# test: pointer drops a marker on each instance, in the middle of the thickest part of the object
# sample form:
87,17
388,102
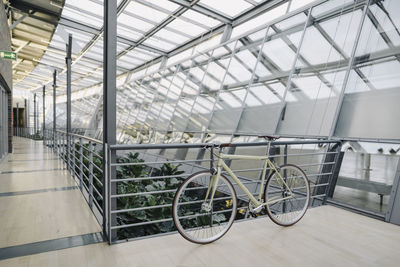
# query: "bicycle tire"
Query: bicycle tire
290,211
193,222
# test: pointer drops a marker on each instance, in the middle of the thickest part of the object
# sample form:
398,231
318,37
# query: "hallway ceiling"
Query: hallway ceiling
32,24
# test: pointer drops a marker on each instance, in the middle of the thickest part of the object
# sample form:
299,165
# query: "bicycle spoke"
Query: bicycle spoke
195,217
295,195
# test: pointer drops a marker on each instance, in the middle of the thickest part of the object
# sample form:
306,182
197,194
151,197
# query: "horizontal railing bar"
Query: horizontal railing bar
94,165
141,208
157,162
139,224
164,206
100,182
81,136
148,178
300,165
202,145
319,185
98,206
98,193
144,193
96,154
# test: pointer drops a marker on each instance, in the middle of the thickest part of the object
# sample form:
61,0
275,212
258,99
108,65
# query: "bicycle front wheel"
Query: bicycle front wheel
283,209
197,218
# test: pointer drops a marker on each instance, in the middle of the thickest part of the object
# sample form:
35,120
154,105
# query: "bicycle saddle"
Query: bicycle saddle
269,137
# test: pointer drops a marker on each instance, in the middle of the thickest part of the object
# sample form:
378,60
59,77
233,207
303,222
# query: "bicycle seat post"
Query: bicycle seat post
268,147
212,169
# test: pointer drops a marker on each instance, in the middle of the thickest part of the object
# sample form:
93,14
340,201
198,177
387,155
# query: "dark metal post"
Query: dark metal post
26,113
17,119
34,114
72,156
80,163
68,60
54,106
44,117
91,175
109,111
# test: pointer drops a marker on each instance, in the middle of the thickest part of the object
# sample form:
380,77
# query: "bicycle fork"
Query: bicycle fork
212,187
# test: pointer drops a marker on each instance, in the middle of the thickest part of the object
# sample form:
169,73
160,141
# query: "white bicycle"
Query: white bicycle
205,205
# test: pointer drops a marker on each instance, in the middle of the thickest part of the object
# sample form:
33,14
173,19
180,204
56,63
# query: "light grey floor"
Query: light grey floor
326,236
33,217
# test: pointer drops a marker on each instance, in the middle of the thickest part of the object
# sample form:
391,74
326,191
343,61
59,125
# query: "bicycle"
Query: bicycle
205,204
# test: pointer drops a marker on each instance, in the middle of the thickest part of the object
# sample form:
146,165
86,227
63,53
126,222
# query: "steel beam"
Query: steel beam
203,10
34,113
17,124
68,61
109,111
89,29
17,22
348,71
54,105
26,113
44,110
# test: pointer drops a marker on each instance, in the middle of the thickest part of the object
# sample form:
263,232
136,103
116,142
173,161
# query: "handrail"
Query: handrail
203,145
81,136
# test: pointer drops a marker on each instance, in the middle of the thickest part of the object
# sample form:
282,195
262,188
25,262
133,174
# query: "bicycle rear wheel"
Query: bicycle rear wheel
194,219
288,211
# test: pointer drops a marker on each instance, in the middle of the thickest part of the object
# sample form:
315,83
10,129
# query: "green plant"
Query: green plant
153,186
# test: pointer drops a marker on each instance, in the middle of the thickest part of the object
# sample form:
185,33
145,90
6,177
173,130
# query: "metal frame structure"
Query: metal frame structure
296,75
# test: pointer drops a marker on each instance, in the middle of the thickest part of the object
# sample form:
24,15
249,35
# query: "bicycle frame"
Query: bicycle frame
257,202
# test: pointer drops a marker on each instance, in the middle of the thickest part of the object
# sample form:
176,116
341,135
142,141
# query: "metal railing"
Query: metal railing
28,132
143,179
83,158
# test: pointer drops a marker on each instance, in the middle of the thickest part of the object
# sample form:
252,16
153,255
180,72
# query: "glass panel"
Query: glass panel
372,91
265,95
234,8
313,94
366,176
199,83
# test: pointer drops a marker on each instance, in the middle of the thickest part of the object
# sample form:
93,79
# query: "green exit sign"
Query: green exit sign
8,55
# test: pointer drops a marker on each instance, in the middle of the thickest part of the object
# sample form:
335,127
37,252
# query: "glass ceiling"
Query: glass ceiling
148,31
288,75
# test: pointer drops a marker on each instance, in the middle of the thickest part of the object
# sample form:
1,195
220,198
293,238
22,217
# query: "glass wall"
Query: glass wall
319,72
370,105
366,177
315,72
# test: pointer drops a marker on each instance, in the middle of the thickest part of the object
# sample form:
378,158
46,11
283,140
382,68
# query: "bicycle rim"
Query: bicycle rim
289,211
197,223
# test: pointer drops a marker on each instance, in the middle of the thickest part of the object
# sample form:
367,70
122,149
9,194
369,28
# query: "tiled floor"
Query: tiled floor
326,236
34,217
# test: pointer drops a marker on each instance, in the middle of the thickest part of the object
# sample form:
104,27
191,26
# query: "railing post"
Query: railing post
57,140
80,163
44,115
54,103
72,155
91,175
64,149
